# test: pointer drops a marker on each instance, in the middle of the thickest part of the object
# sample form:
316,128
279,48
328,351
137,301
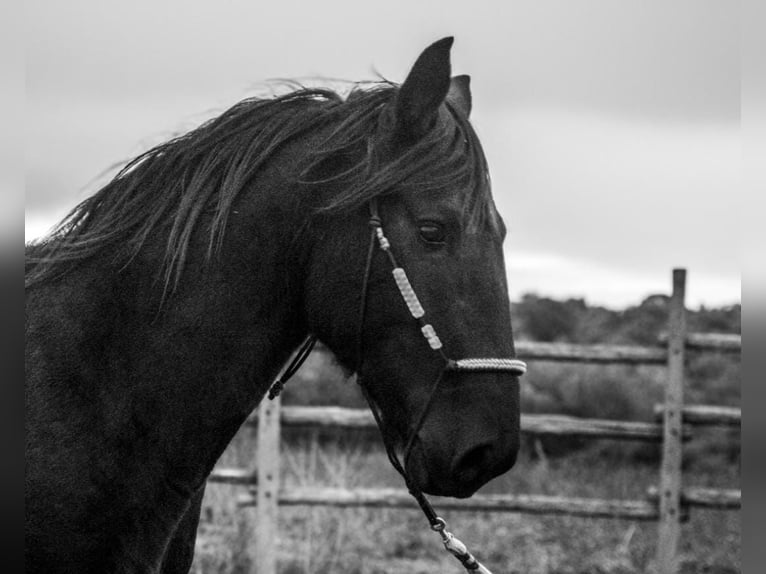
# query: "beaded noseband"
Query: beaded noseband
492,364
514,366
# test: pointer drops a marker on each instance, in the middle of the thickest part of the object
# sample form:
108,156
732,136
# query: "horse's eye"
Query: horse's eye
432,233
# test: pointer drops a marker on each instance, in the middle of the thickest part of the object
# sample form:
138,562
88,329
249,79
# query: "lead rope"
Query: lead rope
452,544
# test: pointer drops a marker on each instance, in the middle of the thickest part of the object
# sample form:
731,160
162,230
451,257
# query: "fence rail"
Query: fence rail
561,425
620,354
578,353
528,503
711,498
706,415
668,503
720,342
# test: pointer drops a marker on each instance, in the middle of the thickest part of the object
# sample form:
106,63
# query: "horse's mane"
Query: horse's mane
173,184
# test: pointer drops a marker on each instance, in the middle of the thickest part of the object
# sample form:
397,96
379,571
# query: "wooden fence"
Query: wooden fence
668,503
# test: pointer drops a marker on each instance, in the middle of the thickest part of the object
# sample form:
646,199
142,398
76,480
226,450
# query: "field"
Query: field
377,541
393,541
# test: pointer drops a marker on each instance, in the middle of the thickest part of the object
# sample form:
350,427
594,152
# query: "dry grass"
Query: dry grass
377,541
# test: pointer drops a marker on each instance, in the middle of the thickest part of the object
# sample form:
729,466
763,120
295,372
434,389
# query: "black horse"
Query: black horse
160,310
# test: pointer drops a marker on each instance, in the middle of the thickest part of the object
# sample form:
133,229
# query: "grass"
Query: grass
392,541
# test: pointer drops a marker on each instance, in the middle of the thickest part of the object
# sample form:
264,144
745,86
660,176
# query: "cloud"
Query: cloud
626,192
602,206
563,277
599,205
611,127
657,58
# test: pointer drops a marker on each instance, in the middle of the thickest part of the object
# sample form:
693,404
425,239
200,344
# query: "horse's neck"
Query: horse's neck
175,384
222,338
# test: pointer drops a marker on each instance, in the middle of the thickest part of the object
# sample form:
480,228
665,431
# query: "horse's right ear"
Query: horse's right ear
424,90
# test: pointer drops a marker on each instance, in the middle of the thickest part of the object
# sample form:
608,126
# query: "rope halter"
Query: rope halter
510,365
513,366
492,364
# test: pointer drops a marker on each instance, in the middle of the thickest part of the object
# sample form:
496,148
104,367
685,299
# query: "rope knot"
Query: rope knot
276,389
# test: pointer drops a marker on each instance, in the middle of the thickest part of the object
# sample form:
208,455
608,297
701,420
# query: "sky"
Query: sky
612,129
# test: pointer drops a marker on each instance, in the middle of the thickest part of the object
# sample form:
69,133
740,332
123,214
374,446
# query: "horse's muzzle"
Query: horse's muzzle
461,472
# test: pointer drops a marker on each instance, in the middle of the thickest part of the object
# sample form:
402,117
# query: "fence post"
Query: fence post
669,528
267,468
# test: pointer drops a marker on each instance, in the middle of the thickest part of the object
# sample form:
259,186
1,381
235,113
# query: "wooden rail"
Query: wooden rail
669,503
561,425
711,498
238,476
720,499
574,353
621,354
528,503
720,342
712,415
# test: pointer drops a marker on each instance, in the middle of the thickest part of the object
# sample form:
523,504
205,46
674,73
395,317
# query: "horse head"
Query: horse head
415,197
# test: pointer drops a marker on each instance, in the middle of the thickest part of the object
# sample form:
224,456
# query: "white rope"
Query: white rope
413,304
514,365
457,548
384,244
430,334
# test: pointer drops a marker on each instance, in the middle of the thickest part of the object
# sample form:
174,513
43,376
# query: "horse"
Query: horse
159,311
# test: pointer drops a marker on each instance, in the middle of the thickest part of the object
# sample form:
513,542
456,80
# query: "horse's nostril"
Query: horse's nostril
472,463
475,457
481,461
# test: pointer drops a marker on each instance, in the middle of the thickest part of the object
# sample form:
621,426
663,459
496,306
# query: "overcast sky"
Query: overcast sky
612,128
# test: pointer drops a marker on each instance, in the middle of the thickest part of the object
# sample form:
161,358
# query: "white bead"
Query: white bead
384,244
431,337
413,304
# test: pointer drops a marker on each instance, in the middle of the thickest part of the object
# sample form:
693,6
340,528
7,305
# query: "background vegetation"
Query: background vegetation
324,540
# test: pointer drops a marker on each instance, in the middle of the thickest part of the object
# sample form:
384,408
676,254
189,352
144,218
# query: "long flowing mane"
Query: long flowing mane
173,184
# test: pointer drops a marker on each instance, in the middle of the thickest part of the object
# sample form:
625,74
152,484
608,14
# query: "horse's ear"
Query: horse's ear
423,91
460,94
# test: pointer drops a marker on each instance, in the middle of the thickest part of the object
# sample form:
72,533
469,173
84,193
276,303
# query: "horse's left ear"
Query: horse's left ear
423,91
460,94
